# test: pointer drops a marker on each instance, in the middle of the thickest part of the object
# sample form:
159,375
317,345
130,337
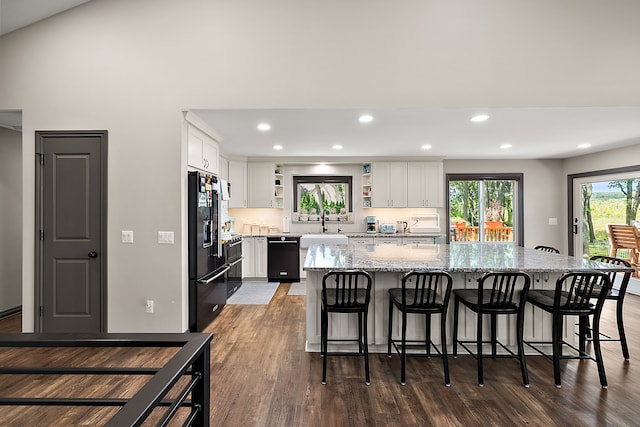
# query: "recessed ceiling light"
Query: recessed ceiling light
277,147
337,147
506,146
480,118
584,145
365,118
264,127
426,147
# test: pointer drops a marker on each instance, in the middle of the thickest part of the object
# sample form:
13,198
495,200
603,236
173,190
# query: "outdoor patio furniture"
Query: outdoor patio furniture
495,231
624,236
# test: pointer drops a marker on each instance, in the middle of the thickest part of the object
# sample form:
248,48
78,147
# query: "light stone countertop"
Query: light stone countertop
458,257
347,233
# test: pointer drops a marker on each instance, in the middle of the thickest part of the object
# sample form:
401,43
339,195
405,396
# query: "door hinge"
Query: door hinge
41,158
41,234
41,311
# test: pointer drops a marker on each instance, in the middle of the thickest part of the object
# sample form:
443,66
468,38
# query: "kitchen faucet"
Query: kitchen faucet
324,229
339,230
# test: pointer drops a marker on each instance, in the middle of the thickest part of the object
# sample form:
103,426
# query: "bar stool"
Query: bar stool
617,293
346,291
497,293
421,293
572,297
547,249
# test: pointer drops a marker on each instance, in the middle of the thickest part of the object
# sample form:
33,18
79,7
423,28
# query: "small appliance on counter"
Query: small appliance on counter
387,229
370,222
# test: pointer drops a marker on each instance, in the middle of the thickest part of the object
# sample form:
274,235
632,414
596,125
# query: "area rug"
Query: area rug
299,288
254,293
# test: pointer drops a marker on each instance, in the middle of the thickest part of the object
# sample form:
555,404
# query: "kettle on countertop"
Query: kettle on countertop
402,226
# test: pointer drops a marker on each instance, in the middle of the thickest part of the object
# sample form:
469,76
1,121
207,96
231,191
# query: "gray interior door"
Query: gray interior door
71,219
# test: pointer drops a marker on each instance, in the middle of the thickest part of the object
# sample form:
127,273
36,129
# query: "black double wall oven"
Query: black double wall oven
207,265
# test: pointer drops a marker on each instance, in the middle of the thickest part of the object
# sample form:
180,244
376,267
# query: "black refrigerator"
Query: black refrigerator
207,266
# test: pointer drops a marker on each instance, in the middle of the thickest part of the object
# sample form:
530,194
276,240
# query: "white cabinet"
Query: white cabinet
420,240
425,185
203,151
388,240
254,252
262,190
360,240
403,184
389,185
260,256
238,180
224,168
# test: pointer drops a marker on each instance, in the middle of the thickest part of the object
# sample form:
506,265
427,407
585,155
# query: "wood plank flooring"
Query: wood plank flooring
261,376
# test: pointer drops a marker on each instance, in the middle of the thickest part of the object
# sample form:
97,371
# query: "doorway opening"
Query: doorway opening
10,212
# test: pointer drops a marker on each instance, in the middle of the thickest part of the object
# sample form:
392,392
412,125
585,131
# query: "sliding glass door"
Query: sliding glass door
601,200
484,208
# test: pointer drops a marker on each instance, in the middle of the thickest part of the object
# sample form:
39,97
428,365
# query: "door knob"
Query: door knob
92,254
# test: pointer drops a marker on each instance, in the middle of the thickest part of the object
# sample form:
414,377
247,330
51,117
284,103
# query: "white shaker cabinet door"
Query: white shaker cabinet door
260,185
238,180
425,182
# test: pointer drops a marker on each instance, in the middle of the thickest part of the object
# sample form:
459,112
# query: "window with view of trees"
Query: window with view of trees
607,202
484,208
322,194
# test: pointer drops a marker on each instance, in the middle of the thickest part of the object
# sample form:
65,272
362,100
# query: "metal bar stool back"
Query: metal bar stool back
617,293
498,293
346,291
573,296
421,293
547,249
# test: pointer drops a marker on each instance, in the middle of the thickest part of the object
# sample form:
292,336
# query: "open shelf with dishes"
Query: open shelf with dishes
366,185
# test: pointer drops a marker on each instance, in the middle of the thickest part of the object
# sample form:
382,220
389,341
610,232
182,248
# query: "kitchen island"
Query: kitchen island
466,262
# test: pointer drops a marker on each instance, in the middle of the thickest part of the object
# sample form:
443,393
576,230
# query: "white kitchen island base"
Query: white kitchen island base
387,268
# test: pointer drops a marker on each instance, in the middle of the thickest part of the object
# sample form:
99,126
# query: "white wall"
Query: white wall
10,219
131,66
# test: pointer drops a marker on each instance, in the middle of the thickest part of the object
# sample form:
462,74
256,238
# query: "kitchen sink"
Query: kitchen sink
323,239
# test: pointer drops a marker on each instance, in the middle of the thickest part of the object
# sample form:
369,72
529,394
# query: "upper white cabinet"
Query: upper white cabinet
388,184
403,184
238,180
425,185
265,187
203,151
224,168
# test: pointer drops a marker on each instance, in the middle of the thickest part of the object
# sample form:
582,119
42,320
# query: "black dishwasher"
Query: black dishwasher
283,259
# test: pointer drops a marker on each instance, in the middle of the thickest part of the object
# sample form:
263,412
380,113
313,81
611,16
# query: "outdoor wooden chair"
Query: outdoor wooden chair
624,236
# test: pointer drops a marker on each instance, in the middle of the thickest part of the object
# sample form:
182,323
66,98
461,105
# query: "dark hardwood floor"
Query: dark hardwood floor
261,376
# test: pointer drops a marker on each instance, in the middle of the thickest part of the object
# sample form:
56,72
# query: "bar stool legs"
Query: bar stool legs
423,293
345,292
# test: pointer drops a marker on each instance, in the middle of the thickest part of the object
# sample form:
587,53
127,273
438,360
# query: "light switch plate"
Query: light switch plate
127,236
553,221
165,237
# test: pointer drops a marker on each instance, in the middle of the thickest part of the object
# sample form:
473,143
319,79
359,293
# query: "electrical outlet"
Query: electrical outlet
165,237
149,306
127,236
